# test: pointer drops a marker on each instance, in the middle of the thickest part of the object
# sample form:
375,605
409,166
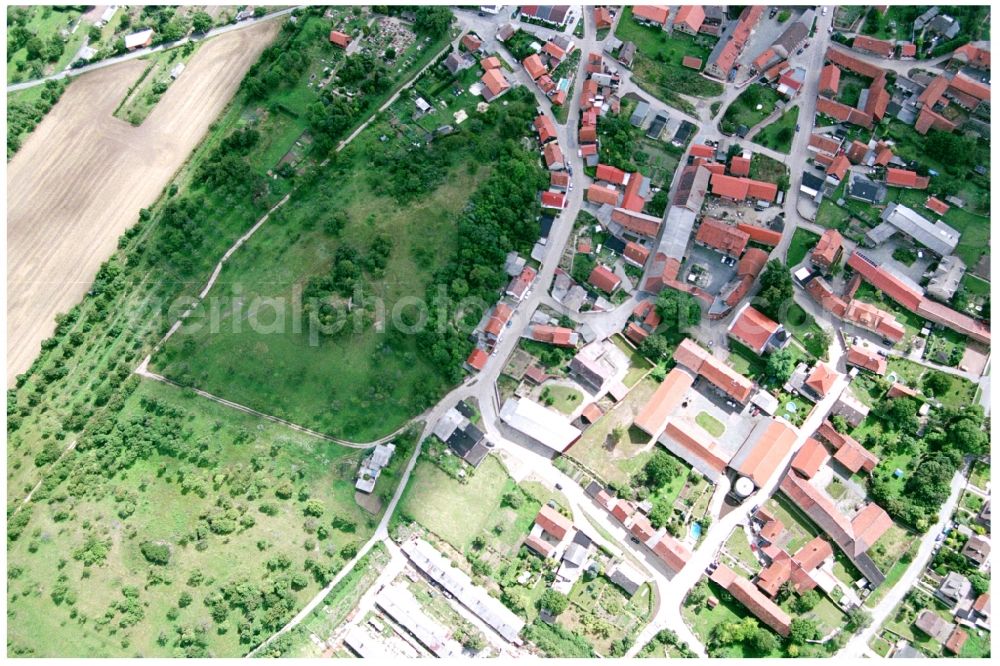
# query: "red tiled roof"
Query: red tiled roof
907,50
839,167
553,522
761,61
856,151
777,573
546,84
501,315
767,452
822,293
870,524
747,594
883,154
772,529
829,79
869,360
611,174
471,43
539,545
824,143
592,412
876,46
690,16
495,81
932,93
652,418
721,236
828,249
753,328
638,223
588,149
702,150
956,640
635,333
964,84
533,65
554,50
973,55
673,553
905,178
715,371
810,458
691,62
492,62
588,133
738,37
602,17
813,554
937,205
957,321
340,39
652,13
739,166
636,252
632,200
899,291
642,528
821,379
553,154
556,335
759,235
559,179
602,194
477,359
849,61
545,127
552,199
739,189
898,390
604,279
752,263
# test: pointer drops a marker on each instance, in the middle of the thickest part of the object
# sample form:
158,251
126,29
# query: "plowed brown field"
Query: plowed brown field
80,179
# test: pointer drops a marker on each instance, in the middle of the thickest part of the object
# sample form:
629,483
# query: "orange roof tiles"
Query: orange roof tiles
539,545
632,200
495,82
690,17
559,179
721,236
772,529
588,133
937,205
810,458
973,55
592,412
636,333
753,328
907,50
828,249
673,553
691,62
870,524
604,279
898,390
554,50
556,335
553,522
702,150
553,155
905,178
821,379
715,371
636,252
501,315
491,62
849,453
901,292
340,39
767,452
752,262
611,174
839,167
602,17
747,594
739,189
964,84
869,360
641,528
824,143
471,43
545,127
760,234
829,79
739,166
652,418
533,65
813,553
956,640
552,199
477,359
695,442
602,194
638,223
876,46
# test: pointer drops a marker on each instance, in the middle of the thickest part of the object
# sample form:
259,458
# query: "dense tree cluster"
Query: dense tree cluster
23,117
776,290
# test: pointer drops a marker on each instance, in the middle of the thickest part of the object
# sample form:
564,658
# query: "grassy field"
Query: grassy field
389,248
712,425
779,134
753,105
620,461
237,465
803,241
962,390
975,229
638,365
738,546
564,398
657,64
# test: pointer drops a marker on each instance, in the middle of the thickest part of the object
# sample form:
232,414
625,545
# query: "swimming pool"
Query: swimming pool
696,530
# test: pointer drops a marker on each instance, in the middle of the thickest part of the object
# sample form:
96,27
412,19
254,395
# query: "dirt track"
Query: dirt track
80,179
